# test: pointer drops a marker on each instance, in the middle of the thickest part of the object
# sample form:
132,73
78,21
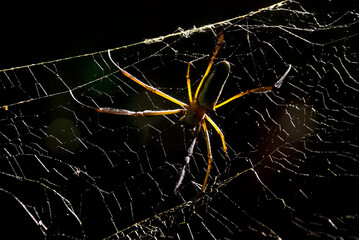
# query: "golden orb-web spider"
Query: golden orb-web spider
195,114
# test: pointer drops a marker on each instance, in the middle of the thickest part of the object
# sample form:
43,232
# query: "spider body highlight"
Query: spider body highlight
213,86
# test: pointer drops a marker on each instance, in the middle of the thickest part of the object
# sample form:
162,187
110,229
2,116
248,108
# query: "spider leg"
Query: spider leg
219,43
209,155
140,113
258,90
278,84
189,83
187,159
118,111
218,131
148,87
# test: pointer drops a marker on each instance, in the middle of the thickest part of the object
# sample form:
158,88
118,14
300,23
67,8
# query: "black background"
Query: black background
42,31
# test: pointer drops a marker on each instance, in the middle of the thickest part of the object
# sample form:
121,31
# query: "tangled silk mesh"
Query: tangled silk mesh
292,167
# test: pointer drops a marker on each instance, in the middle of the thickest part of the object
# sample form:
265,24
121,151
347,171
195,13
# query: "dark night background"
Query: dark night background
42,31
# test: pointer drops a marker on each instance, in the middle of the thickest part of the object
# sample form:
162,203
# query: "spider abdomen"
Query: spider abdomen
213,86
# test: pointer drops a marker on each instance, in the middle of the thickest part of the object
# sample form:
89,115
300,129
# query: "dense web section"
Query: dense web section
292,167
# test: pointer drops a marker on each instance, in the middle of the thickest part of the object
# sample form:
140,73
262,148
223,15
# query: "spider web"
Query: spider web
292,167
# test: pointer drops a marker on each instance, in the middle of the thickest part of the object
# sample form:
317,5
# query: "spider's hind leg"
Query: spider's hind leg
187,158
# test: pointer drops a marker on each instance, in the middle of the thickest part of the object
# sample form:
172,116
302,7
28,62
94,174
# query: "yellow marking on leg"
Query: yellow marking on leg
189,83
260,89
209,155
140,113
148,87
219,43
219,132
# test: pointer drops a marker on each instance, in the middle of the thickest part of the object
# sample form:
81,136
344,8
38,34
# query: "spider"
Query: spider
194,114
